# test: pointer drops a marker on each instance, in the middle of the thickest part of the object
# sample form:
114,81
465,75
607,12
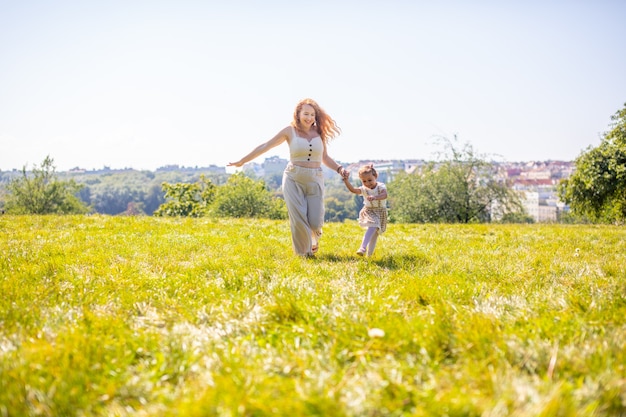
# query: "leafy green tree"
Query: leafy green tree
187,199
242,196
274,182
41,192
115,200
409,196
597,188
335,210
154,198
340,204
460,189
519,217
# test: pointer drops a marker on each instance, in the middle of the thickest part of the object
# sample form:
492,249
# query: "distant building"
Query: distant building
176,168
274,166
386,169
543,206
537,174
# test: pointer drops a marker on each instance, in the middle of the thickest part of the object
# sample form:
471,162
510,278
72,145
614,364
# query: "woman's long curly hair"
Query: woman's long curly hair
324,124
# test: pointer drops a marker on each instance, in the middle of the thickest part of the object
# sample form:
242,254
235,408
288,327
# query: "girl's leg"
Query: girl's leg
372,244
366,239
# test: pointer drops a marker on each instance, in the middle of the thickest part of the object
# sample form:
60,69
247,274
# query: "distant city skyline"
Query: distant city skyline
262,160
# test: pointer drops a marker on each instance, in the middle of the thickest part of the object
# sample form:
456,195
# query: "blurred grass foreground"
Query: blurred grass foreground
144,316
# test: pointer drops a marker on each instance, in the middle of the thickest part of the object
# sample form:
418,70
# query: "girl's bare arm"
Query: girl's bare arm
350,187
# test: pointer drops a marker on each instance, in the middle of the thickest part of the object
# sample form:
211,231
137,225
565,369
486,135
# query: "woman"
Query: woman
308,137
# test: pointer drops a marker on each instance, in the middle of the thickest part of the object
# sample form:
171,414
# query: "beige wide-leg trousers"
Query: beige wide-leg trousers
303,189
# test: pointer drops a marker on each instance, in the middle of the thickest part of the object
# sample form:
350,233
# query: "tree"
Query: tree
187,199
115,200
460,189
40,192
597,188
335,209
242,196
154,198
340,204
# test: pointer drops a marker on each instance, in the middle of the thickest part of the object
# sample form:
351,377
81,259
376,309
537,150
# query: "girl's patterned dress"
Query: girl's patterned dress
373,213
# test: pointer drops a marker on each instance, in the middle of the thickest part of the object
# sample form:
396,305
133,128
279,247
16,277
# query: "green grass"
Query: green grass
137,316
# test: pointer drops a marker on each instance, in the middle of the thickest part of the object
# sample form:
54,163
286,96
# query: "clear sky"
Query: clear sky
143,84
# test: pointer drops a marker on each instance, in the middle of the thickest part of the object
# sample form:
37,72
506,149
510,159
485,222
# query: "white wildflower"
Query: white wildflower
375,332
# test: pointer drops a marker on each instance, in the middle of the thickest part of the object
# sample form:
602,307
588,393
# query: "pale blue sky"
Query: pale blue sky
144,84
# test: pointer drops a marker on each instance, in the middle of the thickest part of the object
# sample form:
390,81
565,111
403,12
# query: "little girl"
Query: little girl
373,215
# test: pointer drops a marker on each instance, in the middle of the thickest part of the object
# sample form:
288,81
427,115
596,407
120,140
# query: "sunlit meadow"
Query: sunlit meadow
143,316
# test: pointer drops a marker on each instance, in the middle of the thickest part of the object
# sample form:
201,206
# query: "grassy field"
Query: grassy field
142,316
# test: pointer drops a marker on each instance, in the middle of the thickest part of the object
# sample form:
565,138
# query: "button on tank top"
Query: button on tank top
303,150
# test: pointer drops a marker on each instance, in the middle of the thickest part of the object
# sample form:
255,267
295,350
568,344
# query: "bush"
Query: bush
40,192
244,197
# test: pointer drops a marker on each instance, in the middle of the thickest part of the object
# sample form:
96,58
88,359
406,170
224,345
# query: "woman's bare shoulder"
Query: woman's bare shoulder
286,133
